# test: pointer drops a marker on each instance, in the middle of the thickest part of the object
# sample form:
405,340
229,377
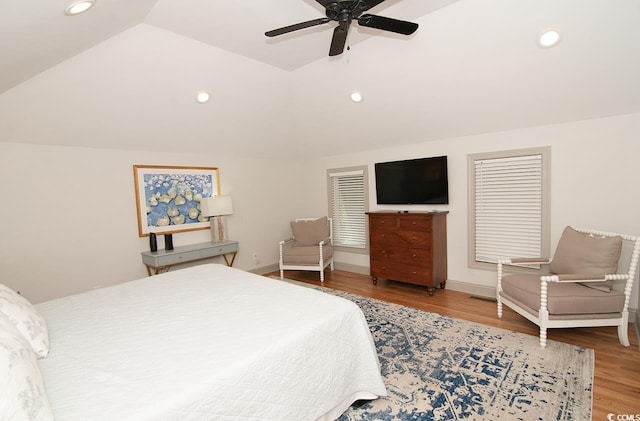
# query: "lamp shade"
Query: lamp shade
216,206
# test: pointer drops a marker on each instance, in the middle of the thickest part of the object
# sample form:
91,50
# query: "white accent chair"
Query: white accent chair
310,248
580,290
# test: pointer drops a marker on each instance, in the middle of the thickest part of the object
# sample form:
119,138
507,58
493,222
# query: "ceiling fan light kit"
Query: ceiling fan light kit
343,12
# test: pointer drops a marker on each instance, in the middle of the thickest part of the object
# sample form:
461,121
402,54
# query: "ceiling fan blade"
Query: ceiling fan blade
338,41
296,27
388,24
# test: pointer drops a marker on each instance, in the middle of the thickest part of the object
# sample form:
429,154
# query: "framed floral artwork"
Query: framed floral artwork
168,198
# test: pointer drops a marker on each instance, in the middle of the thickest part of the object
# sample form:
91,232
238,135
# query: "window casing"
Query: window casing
348,204
508,205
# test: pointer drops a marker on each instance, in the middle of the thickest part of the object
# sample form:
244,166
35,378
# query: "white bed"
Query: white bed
206,343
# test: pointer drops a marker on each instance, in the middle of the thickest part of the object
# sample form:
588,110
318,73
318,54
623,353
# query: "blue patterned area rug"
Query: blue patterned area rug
440,368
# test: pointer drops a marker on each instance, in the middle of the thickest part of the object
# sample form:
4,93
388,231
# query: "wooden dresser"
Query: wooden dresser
409,247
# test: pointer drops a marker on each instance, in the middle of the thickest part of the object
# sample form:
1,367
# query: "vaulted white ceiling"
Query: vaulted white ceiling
123,75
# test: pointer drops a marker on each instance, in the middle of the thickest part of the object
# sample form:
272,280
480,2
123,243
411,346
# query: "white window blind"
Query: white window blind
347,205
508,207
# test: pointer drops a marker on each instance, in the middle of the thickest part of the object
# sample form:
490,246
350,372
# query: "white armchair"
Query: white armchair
579,291
310,248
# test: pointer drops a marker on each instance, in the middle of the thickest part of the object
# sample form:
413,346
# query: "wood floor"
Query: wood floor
617,368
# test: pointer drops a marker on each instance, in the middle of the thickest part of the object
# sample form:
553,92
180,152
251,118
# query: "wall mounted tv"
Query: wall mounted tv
413,182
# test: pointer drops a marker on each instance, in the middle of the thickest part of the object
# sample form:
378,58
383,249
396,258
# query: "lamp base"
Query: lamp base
217,229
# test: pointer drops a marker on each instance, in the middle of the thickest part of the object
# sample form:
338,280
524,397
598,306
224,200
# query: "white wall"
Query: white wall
68,217
594,173
82,233
134,94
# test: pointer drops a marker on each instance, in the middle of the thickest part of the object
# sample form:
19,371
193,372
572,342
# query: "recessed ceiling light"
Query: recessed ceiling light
356,97
549,38
202,97
78,7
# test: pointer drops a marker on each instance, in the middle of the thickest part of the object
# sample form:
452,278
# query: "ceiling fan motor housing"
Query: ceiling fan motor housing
343,12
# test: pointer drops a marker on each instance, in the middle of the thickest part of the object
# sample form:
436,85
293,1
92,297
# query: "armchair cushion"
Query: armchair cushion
563,297
310,233
581,253
303,255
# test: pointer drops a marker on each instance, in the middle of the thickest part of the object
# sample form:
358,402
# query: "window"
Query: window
348,202
508,205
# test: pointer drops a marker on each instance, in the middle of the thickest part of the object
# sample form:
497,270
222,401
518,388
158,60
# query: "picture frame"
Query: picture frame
168,197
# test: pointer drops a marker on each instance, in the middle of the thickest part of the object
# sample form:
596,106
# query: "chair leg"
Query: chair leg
281,274
623,333
499,302
321,275
543,337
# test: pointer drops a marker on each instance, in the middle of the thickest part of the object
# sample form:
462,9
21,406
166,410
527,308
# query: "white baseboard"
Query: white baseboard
265,269
362,270
472,289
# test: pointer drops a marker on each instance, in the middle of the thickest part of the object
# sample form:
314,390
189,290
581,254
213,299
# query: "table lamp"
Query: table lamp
216,207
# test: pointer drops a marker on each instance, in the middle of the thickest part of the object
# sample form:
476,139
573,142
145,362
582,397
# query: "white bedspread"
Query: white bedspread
207,343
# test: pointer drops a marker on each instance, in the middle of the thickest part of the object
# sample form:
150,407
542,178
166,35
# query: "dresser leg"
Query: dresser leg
443,284
430,291
374,279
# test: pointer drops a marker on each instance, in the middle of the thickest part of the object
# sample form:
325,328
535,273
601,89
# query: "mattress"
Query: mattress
203,343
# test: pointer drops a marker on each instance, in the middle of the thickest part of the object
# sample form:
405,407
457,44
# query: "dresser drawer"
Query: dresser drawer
172,259
383,221
218,250
418,257
416,224
403,238
399,272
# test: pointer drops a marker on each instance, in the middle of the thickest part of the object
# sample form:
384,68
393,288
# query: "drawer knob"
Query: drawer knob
414,273
414,222
384,252
382,235
414,237
384,268
414,255
382,222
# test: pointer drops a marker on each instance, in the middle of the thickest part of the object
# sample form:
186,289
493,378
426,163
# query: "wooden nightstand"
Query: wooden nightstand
164,259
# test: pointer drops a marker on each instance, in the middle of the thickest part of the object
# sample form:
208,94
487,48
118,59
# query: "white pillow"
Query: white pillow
26,319
23,394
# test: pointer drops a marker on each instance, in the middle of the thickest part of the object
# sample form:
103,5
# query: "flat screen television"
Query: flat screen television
413,182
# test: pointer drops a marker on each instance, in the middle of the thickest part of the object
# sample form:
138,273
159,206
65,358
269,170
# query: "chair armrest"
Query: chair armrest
283,242
582,278
519,261
522,262
325,242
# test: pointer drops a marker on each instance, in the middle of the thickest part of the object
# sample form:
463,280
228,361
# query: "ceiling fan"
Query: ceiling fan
343,12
